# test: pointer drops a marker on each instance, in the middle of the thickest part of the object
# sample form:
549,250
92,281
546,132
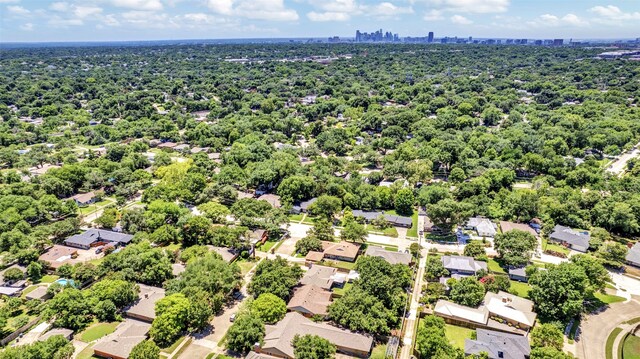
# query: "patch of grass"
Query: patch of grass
413,231
631,347
86,353
343,290
96,262
245,266
608,298
633,321
520,289
173,346
49,278
295,217
494,266
340,264
267,246
456,335
94,206
97,331
546,245
609,346
379,351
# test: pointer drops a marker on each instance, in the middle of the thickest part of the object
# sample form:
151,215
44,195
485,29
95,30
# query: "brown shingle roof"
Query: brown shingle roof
278,337
314,256
341,249
144,307
310,299
84,197
120,343
510,226
320,276
57,255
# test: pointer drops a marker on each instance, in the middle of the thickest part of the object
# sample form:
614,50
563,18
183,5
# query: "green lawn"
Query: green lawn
519,288
245,266
608,298
97,331
494,266
295,217
267,246
379,351
96,262
173,346
86,353
609,346
343,290
49,278
413,231
456,335
389,232
340,264
631,347
633,321
94,206
553,247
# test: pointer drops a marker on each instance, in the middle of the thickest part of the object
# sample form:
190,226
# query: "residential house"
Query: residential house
278,337
181,147
573,239
510,226
430,227
39,171
394,220
319,276
393,257
144,308
4,282
502,311
342,251
462,265
258,236
40,293
498,345
303,207
66,333
515,310
310,300
84,199
97,237
272,199
58,255
228,255
518,274
120,343
483,226
168,145
633,256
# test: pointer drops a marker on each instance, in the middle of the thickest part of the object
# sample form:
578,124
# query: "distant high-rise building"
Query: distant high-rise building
430,38
558,42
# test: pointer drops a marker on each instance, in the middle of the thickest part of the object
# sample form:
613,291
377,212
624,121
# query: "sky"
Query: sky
127,20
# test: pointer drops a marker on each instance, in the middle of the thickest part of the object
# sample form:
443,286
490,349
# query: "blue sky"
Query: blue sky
104,20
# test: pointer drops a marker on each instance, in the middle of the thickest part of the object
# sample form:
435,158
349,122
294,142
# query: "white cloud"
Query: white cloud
337,5
224,7
387,9
434,15
26,27
472,6
460,20
611,12
328,16
18,10
548,20
141,5
273,10
9,1
57,21
59,6
110,20
84,11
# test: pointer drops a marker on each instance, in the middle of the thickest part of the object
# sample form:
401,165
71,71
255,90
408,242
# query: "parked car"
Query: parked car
232,318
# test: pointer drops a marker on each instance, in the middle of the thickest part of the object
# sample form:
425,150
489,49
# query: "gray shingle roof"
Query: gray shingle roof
393,257
633,256
566,234
94,235
512,346
463,263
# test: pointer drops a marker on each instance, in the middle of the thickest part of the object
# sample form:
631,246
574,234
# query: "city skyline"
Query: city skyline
140,20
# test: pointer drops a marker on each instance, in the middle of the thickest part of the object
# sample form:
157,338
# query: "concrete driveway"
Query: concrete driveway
595,328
